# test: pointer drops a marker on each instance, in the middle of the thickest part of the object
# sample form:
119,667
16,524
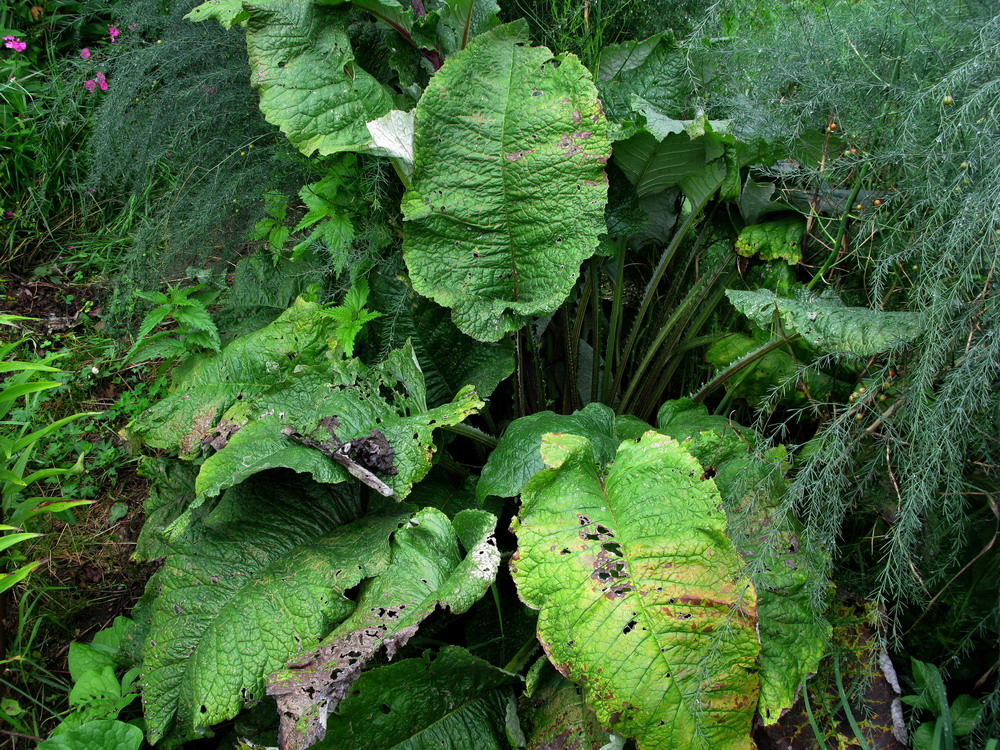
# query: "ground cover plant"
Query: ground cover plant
613,395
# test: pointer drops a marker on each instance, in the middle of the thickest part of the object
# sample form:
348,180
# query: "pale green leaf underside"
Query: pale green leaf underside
239,600
310,84
428,570
451,700
827,324
640,594
508,189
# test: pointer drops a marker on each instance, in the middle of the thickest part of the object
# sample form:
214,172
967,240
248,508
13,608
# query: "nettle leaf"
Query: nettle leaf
508,189
654,69
427,570
827,324
786,568
448,358
773,240
310,85
640,593
452,699
516,458
239,598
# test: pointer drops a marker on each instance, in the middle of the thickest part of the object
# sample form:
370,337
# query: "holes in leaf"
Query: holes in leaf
709,473
564,551
629,627
613,547
384,708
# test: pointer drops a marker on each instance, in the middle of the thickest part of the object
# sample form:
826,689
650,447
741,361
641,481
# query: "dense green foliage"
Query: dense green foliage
455,456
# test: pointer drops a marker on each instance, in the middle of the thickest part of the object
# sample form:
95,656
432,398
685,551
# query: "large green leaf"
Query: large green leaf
508,190
640,593
259,405
448,358
303,65
428,570
787,571
827,324
451,700
239,598
653,69
516,459
243,370
275,426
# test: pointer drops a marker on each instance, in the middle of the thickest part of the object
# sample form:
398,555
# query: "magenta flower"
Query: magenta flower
14,43
90,85
101,81
85,53
8,214
113,32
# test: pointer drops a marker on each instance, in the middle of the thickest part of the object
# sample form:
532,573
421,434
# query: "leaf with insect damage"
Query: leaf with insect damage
641,597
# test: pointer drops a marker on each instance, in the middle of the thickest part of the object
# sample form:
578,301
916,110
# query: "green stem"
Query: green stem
739,365
614,326
595,313
847,706
668,255
812,719
831,258
473,434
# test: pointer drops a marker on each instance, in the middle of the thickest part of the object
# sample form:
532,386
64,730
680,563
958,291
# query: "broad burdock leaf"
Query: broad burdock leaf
516,458
280,398
427,570
109,734
641,597
237,600
302,63
508,189
786,569
448,700
827,324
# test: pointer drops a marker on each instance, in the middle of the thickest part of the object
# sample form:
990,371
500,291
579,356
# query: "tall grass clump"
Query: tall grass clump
905,95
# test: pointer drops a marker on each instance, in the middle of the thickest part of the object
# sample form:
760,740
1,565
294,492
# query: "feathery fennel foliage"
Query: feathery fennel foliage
912,89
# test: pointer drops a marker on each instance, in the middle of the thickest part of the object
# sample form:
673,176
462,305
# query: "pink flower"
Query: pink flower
14,43
131,26
101,81
113,32
85,53
90,85
8,214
